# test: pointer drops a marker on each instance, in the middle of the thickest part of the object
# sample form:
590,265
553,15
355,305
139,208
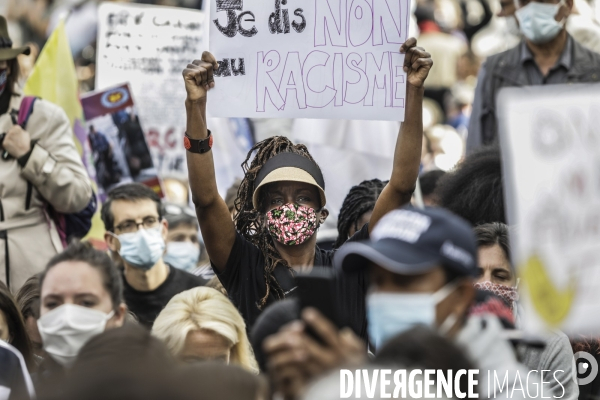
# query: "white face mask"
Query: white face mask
536,21
67,328
389,314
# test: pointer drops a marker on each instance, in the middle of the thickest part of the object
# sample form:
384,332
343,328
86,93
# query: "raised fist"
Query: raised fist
198,77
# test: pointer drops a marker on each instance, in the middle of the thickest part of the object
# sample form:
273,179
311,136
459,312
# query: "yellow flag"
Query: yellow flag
54,79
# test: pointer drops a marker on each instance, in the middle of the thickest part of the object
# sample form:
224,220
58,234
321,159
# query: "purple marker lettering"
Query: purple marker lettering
379,76
292,74
338,78
264,84
355,92
317,76
330,22
387,20
360,22
398,84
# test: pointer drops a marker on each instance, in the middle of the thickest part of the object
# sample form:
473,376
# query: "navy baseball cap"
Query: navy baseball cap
411,241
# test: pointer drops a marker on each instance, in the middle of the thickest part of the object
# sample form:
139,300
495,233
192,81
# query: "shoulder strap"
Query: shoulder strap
25,110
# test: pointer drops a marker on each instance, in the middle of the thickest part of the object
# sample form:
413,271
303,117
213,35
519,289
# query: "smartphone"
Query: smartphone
317,289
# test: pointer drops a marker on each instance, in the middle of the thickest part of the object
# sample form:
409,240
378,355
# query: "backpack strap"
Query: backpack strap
25,110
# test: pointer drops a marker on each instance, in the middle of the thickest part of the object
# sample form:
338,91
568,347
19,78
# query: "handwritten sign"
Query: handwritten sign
336,59
149,47
550,139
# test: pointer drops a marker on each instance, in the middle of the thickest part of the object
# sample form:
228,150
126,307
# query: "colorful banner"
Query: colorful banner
117,140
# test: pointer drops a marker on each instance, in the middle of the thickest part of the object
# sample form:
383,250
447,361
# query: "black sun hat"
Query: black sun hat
7,52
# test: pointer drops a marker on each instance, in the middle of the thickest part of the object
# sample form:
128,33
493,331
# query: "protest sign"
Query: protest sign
335,59
550,140
149,47
116,139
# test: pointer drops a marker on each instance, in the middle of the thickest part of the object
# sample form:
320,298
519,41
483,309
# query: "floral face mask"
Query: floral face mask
507,293
291,224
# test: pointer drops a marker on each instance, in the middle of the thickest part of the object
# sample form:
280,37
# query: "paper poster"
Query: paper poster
550,140
116,140
334,59
148,47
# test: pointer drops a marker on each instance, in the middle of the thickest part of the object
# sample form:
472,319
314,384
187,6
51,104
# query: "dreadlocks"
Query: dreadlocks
249,220
359,200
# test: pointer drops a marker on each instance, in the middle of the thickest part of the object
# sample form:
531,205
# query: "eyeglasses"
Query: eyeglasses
131,226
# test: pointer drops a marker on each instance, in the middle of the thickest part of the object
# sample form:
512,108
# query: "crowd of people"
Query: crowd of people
208,299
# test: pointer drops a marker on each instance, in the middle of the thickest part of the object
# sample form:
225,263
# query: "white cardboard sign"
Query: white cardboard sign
336,59
550,141
149,47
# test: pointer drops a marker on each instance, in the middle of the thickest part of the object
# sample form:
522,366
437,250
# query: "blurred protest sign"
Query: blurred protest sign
334,59
149,47
550,139
116,139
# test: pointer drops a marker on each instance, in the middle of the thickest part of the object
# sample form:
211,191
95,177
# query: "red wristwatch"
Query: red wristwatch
198,146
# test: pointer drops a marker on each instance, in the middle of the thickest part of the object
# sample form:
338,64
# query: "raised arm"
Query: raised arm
215,221
407,156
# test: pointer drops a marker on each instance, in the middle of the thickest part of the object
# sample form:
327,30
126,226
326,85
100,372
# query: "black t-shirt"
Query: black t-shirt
244,280
147,305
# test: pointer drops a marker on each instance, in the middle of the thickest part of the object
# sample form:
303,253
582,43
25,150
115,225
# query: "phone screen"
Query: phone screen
317,289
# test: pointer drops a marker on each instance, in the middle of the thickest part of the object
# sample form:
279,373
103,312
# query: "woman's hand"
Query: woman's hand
198,77
417,63
17,142
294,357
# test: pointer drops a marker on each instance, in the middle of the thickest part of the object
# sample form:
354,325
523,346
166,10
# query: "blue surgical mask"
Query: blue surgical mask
142,249
182,255
390,314
536,21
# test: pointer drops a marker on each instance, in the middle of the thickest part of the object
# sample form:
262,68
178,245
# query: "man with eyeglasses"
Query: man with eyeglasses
546,55
136,231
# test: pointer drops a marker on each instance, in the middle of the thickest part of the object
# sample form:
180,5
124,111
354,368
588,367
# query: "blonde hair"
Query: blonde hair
204,308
